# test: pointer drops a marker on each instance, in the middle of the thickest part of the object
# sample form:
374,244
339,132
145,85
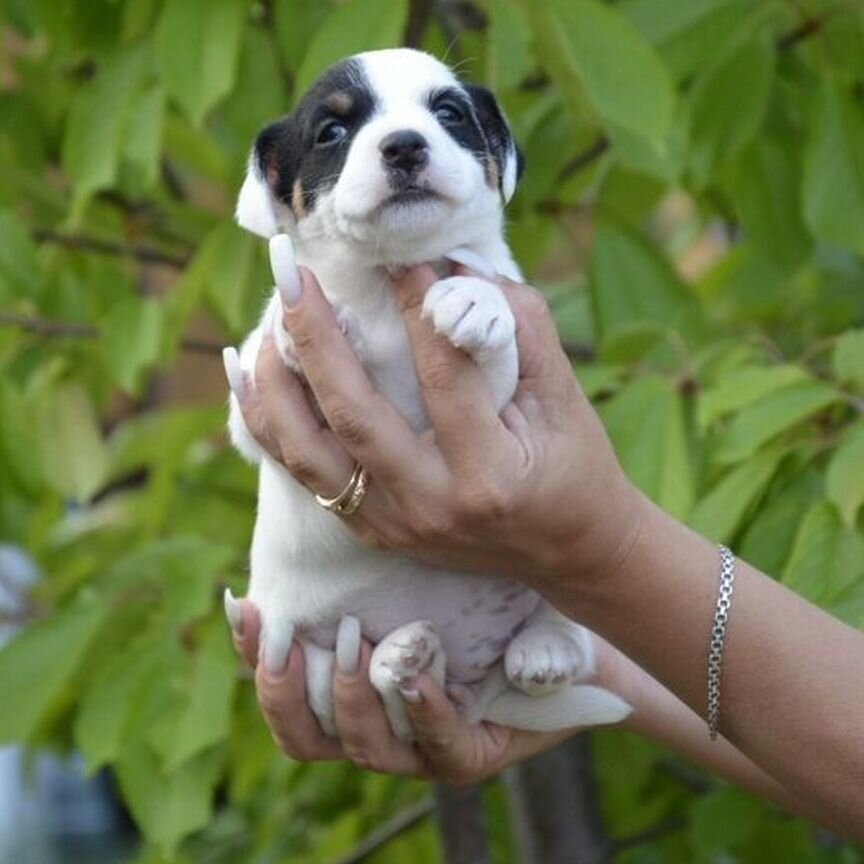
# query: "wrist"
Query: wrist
594,556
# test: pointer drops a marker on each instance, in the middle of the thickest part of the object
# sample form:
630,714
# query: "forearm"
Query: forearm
790,695
661,717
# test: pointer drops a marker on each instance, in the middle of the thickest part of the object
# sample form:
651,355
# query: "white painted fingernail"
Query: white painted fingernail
472,260
233,612
284,266
234,372
348,645
274,656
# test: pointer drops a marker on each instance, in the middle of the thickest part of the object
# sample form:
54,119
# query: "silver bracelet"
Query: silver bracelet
718,638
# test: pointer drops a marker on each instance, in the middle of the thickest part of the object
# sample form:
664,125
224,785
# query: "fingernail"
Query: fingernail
472,260
275,657
284,266
233,612
410,694
348,645
233,371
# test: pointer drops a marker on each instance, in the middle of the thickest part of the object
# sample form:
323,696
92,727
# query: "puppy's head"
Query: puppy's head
387,150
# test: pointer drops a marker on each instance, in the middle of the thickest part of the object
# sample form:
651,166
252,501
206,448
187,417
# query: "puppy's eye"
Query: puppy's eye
448,112
330,132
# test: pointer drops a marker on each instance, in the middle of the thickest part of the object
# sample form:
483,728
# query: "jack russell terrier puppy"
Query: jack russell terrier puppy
390,160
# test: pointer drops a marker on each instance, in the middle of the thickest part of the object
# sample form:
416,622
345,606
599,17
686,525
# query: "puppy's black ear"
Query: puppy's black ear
260,207
501,144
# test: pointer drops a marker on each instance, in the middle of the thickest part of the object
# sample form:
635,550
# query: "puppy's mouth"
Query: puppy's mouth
410,194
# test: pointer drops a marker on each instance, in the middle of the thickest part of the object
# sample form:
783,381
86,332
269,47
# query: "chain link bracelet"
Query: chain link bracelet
718,638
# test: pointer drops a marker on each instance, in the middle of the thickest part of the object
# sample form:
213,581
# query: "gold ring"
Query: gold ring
351,497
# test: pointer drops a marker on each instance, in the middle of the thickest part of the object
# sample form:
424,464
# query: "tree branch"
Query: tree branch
71,329
399,824
139,251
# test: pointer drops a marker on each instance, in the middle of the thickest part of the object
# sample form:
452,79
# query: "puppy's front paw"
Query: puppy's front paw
545,657
472,313
350,327
283,341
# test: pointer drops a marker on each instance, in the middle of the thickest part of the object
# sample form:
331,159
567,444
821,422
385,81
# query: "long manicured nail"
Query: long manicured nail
284,266
234,372
472,260
233,612
275,651
348,645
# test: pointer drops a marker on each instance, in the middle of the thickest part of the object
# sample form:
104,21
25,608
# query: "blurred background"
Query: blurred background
693,206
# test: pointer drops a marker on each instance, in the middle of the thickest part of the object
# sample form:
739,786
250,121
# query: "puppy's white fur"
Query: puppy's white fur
517,659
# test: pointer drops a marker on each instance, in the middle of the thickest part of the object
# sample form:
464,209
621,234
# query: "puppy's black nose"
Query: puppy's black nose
405,150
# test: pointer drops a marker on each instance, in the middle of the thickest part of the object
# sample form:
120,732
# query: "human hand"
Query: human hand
447,748
536,493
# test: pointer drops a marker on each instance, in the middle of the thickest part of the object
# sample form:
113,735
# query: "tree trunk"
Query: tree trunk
554,802
462,822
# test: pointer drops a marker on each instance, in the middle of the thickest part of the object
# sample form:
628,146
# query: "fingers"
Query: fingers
362,725
454,389
308,450
453,750
363,421
245,627
547,386
282,697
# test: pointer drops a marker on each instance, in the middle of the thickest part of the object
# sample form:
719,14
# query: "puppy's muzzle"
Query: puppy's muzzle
405,153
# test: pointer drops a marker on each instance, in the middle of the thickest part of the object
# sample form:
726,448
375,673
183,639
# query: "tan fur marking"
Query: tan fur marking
340,102
492,177
298,205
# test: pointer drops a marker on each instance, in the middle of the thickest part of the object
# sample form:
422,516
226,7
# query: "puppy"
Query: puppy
390,160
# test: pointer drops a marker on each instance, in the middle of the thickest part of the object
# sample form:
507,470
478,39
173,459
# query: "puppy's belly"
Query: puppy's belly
309,569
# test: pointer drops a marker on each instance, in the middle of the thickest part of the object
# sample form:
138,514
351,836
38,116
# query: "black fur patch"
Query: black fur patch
498,137
286,150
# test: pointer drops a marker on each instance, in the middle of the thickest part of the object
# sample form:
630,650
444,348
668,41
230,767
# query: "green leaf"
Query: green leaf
834,169
721,821
131,336
848,359
508,55
204,718
776,413
358,25
771,532
142,141
631,283
827,556
742,386
198,45
19,263
74,454
97,120
16,438
646,424
720,513
687,35
37,666
112,700
844,479
229,277
168,806
766,188
296,25
727,105
583,44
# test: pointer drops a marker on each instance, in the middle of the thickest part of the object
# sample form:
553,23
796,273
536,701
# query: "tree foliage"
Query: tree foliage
694,209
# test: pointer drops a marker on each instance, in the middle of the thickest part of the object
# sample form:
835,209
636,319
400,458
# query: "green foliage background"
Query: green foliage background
734,390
